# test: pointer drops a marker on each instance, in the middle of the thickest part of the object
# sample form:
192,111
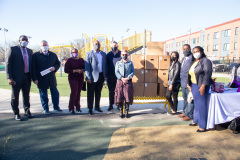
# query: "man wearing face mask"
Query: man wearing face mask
42,60
186,63
95,70
18,70
112,58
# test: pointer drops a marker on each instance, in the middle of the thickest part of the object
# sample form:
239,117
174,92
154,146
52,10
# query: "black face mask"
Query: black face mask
187,53
124,57
114,49
173,58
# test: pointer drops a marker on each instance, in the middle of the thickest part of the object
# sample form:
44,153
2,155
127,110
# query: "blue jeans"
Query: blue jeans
44,98
201,107
188,108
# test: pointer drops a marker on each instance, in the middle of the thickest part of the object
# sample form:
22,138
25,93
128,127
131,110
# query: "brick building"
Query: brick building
220,42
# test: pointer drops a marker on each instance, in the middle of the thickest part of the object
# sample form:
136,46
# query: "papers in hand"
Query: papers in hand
46,71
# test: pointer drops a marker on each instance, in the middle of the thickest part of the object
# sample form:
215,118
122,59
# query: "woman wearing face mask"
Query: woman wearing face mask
124,71
74,66
199,81
173,82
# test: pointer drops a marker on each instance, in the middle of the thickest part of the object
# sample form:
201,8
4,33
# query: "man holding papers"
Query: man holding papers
45,65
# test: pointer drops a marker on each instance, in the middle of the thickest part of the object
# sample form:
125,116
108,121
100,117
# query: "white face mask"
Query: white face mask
24,43
197,55
44,48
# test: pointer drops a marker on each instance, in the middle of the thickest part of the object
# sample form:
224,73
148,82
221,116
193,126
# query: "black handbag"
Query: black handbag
235,125
84,87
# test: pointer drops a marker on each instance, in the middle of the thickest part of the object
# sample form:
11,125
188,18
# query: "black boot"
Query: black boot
126,115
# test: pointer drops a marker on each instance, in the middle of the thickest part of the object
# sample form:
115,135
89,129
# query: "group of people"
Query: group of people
194,76
22,67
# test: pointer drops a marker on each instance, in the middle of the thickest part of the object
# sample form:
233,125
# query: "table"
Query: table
223,107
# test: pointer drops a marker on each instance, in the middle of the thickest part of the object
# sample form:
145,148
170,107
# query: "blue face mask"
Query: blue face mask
24,44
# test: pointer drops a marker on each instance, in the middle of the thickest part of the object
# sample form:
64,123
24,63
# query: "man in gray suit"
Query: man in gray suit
188,108
95,70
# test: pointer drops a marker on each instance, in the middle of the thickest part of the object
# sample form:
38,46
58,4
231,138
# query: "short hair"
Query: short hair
22,36
74,49
124,50
187,45
44,41
114,42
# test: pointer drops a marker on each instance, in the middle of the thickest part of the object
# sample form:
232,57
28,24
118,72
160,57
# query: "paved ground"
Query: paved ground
81,136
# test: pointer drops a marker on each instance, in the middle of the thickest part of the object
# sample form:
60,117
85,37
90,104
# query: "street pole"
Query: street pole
144,43
189,36
5,30
60,54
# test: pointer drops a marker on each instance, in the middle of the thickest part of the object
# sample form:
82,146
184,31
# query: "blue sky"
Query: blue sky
60,21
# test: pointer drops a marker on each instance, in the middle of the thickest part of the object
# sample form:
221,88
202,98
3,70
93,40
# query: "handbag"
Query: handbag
190,97
235,125
84,87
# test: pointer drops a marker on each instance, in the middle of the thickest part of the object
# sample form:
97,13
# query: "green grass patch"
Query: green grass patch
64,88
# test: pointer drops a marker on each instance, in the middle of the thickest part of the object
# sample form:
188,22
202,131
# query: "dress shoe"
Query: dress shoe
72,112
181,115
28,114
79,110
121,114
118,108
90,112
110,108
186,118
201,130
172,113
18,117
98,109
193,124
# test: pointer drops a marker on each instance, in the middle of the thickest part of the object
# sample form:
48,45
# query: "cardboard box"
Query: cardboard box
138,61
164,62
162,75
161,90
155,48
151,62
138,89
151,76
138,76
150,89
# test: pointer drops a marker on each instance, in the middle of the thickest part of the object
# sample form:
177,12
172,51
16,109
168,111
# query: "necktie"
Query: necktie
25,58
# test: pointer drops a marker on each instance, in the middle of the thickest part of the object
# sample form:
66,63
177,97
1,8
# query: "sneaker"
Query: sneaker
58,110
47,112
78,110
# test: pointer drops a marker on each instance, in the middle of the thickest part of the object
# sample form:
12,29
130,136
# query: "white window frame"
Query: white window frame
216,35
226,46
227,33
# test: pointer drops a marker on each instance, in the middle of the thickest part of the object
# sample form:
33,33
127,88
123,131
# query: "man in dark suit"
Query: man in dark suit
112,58
42,60
18,62
95,70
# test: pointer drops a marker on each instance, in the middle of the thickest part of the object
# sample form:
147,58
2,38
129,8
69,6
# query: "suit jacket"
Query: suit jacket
184,71
91,66
203,72
174,73
15,63
42,62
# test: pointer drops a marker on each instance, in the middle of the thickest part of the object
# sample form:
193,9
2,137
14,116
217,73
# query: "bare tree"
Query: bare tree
78,43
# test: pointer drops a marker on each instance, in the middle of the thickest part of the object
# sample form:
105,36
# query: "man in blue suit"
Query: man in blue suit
95,70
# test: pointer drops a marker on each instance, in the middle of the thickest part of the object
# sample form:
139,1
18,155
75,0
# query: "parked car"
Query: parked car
218,66
230,67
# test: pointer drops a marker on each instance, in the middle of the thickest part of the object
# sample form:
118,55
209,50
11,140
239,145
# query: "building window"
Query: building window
177,44
215,35
207,48
167,45
235,46
215,47
236,31
226,46
198,40
208,36
183,42
172,45
203,37
194,41
227,33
